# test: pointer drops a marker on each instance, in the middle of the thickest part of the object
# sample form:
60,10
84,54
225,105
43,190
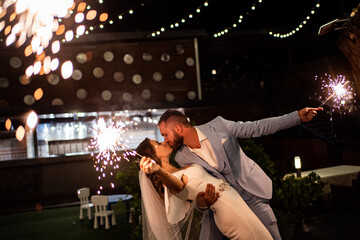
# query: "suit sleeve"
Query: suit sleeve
261,127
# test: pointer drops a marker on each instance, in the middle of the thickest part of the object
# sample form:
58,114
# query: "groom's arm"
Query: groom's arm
261,127
268,126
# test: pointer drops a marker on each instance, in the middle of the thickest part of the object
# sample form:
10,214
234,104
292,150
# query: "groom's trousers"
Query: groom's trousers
264,212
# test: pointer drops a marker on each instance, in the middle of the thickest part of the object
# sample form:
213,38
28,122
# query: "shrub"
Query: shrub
292,197
128,179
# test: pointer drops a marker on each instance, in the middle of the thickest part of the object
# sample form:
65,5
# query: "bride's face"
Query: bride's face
162,149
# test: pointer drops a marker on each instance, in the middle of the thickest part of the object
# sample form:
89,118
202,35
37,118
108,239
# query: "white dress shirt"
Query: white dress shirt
205,152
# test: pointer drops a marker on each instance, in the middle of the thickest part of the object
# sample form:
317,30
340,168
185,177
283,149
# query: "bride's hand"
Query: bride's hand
148,165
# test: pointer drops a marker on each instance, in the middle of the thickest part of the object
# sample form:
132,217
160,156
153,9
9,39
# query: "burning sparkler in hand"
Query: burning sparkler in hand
108,141
338,90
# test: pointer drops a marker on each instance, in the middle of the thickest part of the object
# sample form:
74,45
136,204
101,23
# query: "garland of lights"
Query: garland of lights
182,21
235,24
120,17
30,17
300,26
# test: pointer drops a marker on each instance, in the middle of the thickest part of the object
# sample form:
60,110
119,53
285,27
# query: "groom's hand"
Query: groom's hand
307,114
207,198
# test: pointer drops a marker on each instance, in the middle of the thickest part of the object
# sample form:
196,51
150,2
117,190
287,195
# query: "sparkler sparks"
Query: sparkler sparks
338,93
109,140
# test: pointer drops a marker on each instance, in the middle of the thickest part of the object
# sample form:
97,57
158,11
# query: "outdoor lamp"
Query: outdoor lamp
298,166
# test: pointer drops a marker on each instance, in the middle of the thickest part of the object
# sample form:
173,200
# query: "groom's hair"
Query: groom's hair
175,116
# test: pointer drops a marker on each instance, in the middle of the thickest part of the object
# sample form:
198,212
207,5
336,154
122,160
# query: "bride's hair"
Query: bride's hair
155,224
146,149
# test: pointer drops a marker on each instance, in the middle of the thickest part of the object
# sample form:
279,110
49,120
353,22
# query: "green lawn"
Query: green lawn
60,223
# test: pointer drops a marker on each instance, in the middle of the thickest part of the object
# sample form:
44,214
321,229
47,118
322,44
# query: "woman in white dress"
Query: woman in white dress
232,215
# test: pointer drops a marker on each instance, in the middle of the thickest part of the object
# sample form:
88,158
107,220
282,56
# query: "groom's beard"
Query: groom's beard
178,142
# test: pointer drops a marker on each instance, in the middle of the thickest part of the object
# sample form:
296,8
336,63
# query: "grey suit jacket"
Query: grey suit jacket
233,165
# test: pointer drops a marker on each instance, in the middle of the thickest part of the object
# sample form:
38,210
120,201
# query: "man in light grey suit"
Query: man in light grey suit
214,146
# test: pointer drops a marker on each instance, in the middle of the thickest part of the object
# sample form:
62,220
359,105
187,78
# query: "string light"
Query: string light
299,27
182,20
119,16
236,24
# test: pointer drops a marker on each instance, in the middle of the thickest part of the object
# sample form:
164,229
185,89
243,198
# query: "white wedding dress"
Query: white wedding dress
232,215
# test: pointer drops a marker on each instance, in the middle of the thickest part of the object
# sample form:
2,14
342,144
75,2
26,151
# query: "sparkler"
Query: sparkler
339,90
108,141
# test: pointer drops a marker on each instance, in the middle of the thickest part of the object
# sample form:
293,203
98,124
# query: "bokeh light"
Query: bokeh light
55,47
54,64
91,15
38,94
20,133
8,124
67,69
32,120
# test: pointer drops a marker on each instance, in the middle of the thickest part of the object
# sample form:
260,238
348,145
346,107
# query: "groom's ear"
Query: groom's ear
178,128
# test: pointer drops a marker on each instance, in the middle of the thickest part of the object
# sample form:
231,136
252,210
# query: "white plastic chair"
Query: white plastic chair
84,194
100,203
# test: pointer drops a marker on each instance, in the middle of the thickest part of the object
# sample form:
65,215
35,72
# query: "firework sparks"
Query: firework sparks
338,92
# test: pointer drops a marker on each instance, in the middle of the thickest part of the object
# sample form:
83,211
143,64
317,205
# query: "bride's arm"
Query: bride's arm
170,181
174,184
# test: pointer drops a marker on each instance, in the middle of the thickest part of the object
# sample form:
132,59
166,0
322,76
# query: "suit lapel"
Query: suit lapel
216,144
188,158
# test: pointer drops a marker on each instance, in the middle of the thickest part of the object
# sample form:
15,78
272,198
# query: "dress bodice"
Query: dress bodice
232,215
177,206
198,178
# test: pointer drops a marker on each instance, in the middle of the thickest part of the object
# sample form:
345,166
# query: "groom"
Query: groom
214,146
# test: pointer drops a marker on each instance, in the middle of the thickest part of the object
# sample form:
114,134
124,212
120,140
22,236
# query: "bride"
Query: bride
169,207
